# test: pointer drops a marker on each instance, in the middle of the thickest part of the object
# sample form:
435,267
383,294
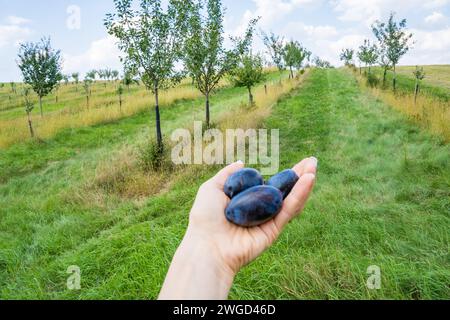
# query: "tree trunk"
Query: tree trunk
158,120
207,111
416,92
40,106
120,103
87,101
30,125
265,88
384,76
394,81
250,96
292,73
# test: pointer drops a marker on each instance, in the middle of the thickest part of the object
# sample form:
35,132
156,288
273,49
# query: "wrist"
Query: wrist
197,272
206,256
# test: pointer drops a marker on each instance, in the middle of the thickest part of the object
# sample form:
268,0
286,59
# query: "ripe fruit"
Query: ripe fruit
255,206
242,180
284,181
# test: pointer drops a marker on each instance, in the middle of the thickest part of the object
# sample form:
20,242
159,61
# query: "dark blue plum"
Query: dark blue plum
242,180
255,206
284,181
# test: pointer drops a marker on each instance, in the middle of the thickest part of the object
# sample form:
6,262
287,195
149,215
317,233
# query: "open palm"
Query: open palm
236,246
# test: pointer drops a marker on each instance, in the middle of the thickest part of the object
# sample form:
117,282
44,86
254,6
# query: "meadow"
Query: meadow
82,194
429,109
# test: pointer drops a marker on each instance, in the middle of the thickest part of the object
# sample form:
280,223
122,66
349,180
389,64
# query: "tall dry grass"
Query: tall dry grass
101,110
251,117
428,111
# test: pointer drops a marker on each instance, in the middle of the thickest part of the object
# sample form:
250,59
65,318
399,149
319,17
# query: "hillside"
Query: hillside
382,198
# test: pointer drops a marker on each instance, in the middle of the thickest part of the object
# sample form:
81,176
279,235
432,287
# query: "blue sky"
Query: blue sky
325,27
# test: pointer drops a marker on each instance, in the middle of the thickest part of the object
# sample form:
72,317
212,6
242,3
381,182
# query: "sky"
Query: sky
325,27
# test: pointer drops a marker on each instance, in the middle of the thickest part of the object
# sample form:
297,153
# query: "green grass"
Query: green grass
435,75
435,84
382,198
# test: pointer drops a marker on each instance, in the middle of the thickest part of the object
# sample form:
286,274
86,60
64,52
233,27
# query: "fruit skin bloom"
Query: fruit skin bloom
242,180
284,181
255,206
214,250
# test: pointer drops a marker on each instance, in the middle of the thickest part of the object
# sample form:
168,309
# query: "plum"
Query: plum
241,181
284,181
255,206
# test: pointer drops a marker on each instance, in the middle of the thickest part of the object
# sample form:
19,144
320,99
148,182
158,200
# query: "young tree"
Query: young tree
41,67
102,75
419,75
128,79
90,78
384,62
301,55
92,75
29,106
396,41
322,64
275,48
87,89
368,54
291,55
248,73
58,85
347,56
108,74
360,56
76,79
13,87
120,93
205,56
66,79
115,75
151,39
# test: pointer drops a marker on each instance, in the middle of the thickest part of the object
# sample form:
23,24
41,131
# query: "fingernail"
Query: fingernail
312,175
315,159
239,162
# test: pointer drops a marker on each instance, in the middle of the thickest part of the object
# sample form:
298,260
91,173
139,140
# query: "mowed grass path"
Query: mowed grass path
382,198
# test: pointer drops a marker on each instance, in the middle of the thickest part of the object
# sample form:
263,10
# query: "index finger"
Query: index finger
299,195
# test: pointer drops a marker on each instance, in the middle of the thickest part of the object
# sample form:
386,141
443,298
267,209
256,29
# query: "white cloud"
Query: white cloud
274,10
330,49
356,10
270,11
367,12
431,47
14,31
320,32
435,17
14,20
431,4
102,53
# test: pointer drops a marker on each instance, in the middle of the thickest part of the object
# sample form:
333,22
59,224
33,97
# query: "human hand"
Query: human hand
217,248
